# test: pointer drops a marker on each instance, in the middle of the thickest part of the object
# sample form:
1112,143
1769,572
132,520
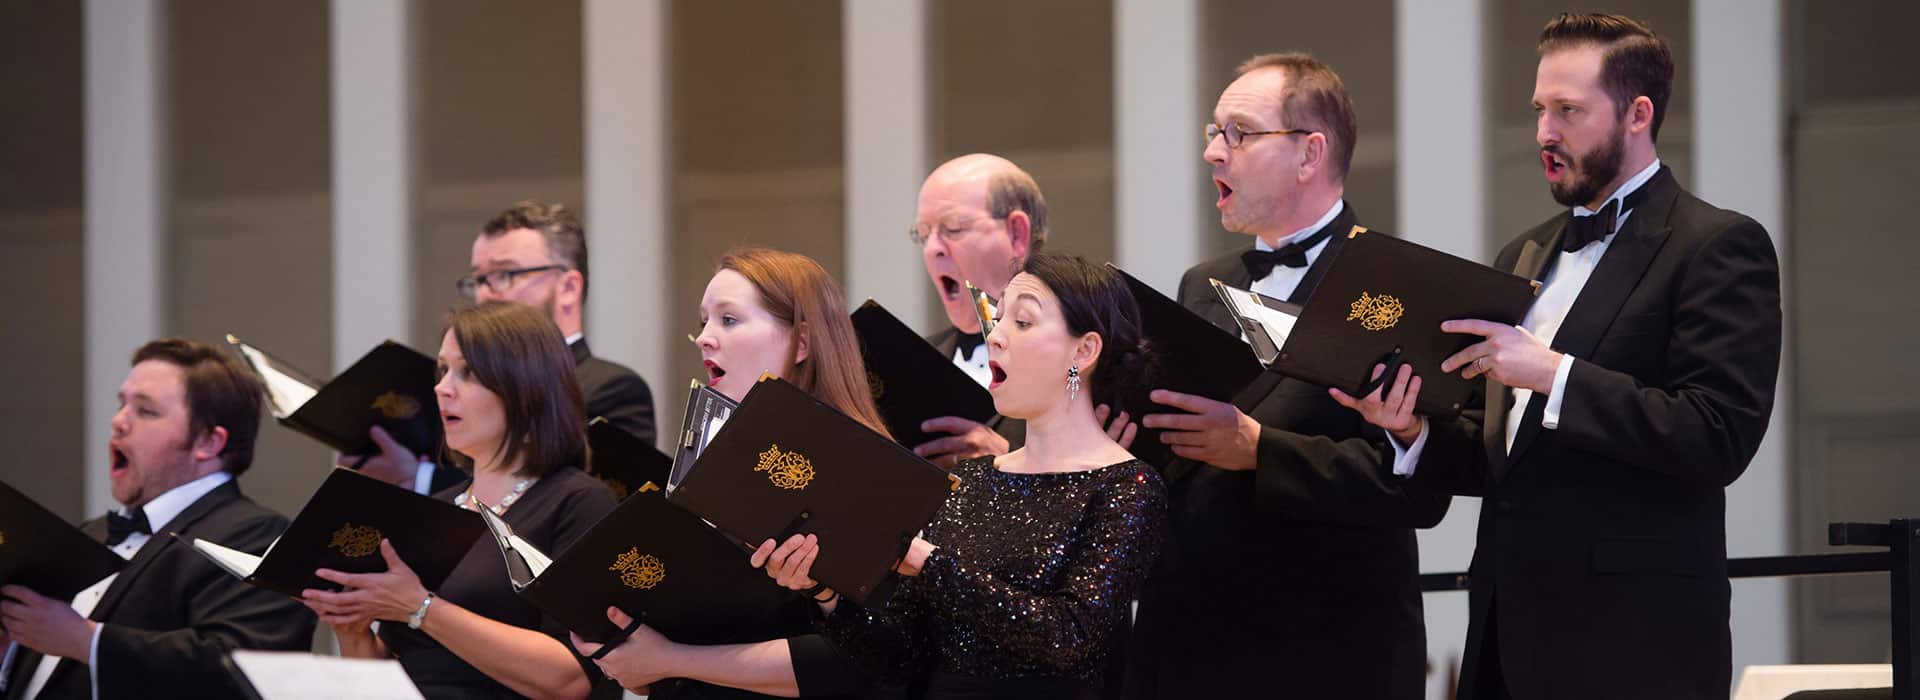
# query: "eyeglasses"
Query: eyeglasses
950,235
1236,136
497,281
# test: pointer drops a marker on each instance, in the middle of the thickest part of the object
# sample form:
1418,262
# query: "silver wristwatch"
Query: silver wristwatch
419,614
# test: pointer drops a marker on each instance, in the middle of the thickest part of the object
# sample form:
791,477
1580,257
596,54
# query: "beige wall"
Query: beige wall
40,254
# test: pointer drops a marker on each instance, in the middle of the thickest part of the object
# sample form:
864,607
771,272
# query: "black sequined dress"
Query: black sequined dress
1027,591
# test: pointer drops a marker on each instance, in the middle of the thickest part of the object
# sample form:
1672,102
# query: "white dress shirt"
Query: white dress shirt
160,512
1557,295
974,363
1283,281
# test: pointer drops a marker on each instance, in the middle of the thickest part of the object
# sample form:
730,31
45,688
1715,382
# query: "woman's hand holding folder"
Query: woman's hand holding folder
390,595
638,662
790,564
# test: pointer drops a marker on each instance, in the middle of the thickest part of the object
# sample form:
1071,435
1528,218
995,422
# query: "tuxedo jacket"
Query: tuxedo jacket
171,615
1600,562
1013,429
614,392
1298,578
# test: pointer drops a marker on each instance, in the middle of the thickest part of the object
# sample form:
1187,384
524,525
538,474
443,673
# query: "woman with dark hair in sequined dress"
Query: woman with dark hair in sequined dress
1021,583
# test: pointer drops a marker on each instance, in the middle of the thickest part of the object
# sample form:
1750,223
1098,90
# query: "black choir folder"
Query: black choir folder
654,561
624,462
786,464
340,528
911,381
43,552
1382,302
391,386
1195,357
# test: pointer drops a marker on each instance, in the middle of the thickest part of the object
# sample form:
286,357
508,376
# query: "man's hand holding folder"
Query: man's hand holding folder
1509,354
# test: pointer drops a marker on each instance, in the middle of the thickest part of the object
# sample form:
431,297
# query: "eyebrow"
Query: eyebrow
1030,296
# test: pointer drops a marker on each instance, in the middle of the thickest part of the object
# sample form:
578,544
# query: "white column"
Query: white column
886,151
1441,129
126,203
1740,164
373,174
1158,113
1440,134
627,200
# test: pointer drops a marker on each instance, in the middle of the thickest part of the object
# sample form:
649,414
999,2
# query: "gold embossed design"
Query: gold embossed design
787,470
649,487
396,407
619,489
639,571
875,386
3,538
1376,312
355,540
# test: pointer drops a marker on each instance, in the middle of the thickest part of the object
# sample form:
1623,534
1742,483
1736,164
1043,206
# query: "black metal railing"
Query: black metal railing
1901,561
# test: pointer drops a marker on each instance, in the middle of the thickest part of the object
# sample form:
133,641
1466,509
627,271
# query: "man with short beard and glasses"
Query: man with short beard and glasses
534,253
159,628
1634,391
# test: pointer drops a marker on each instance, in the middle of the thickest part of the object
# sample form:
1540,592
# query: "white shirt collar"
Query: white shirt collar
167,506
1327,218
575,338
1626,188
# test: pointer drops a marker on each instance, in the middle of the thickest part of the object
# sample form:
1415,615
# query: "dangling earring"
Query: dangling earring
1073,382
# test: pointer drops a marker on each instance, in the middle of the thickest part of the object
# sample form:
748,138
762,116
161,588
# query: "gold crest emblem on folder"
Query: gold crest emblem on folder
787,470
3,538
618,488
875,386
639,571
1376,312
396,407
355,540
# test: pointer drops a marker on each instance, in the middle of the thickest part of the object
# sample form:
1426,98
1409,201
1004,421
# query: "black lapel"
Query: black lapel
946,341
1619,271
580,351
1342,228
160,541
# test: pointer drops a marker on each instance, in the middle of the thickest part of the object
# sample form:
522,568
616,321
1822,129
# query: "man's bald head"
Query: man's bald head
1009,189
978,218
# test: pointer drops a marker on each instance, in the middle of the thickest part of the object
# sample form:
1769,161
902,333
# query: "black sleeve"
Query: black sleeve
1348,480
224,614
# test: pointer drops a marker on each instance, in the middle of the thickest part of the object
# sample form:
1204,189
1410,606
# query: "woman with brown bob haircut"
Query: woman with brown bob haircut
512,415
779,312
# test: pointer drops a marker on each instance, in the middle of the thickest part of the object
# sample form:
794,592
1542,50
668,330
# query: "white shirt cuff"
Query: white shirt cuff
423,478
1550,418
93,669
1406,457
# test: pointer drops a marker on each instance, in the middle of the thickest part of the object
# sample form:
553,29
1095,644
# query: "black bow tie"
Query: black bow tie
1260,263
1585,230
966,342
120,527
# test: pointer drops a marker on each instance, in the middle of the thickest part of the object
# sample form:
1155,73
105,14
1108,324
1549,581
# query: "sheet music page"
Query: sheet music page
234,561
1277,323
285,393
298,676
